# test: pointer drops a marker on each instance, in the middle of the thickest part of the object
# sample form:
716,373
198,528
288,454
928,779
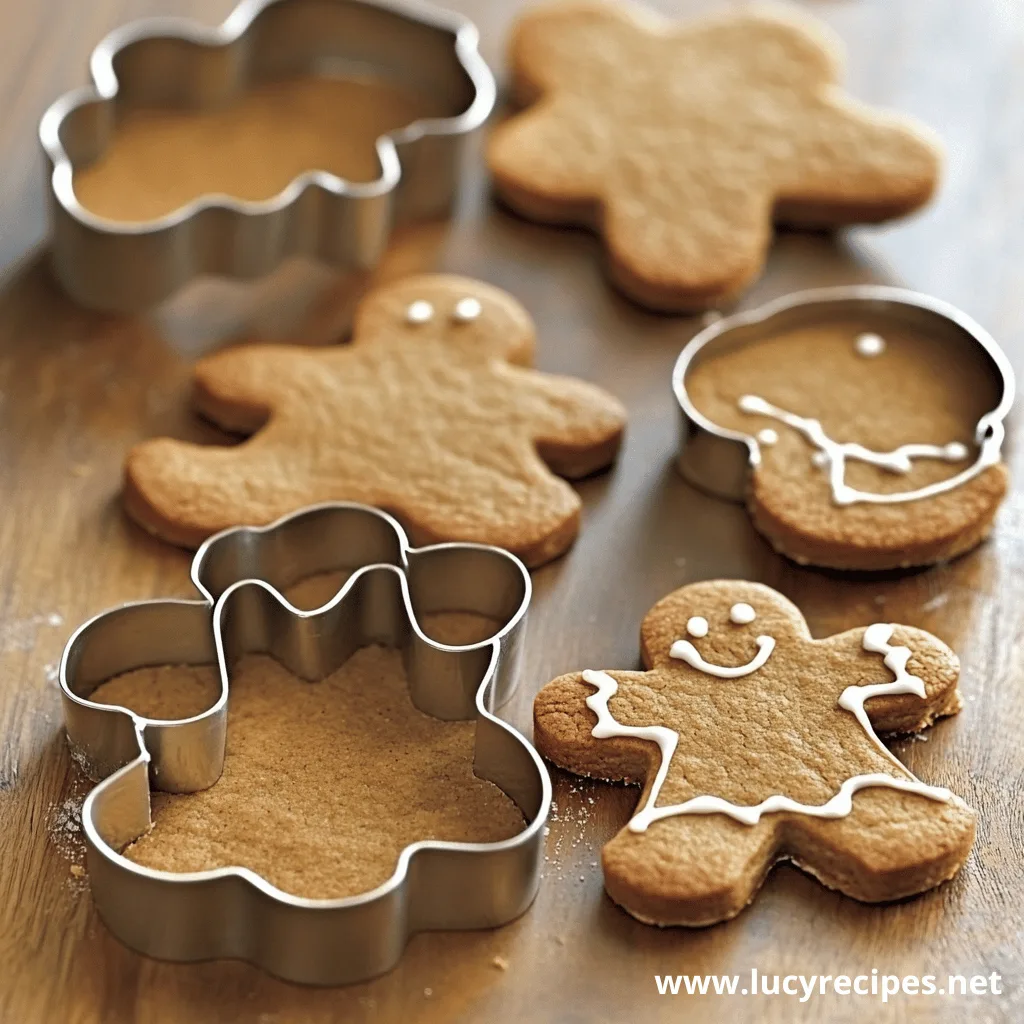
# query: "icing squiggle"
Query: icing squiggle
833,455
683,650
876,640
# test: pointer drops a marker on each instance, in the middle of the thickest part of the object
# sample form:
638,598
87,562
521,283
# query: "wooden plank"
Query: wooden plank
78,388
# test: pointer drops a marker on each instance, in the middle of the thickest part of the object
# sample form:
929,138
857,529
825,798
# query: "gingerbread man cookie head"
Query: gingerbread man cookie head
725,628
457,310
681,144
756,743
865,424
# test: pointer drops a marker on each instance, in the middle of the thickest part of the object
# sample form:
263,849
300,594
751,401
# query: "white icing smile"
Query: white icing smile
876,640
741,614
832,456
683,650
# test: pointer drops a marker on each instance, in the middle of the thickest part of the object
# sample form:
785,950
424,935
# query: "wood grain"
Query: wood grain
79,388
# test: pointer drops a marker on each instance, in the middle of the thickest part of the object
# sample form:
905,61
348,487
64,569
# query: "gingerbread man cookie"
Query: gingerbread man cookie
430,413
681,145
756,743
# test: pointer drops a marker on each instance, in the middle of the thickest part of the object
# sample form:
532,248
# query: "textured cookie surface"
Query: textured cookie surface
430,413
908,389
776,729
324,783
682,144
160,159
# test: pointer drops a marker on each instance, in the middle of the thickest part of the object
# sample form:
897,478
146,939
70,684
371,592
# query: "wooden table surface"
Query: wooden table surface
77,388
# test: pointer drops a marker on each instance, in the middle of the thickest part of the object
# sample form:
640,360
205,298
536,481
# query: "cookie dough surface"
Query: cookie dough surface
159,160
917,390
324,783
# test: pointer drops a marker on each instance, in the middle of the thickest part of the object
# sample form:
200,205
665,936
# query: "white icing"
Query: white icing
876,640
683,650
742,614
768,437
697,626
466,310
419,312
832,456
869,345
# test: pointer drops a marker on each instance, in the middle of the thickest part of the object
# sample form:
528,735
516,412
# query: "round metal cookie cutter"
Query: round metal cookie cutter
128,266
720,461
233,912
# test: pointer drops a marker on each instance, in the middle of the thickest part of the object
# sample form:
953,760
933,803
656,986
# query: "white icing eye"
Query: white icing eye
419,312
742,614
697,626
466,310
869,345
768,436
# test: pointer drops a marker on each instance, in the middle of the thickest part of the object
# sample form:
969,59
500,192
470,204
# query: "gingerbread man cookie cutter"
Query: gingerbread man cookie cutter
721,461
128,266
232,912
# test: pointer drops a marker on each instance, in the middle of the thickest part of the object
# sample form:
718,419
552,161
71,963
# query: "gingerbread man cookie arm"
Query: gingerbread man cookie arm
531,174
563,731
576,427
237,388
909,677
886,166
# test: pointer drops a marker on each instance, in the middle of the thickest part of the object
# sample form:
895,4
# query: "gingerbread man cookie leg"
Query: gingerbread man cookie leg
430,413
890,845
711,866
757,743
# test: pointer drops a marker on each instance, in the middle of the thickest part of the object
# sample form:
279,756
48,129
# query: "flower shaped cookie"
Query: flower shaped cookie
756,743
681,145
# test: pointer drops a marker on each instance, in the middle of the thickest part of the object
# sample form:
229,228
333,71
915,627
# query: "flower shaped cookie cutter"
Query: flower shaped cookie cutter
129,266
232,912
719,460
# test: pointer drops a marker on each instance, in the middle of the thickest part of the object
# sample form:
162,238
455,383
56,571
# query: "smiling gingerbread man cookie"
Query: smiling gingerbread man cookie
756,744
682,144
430,413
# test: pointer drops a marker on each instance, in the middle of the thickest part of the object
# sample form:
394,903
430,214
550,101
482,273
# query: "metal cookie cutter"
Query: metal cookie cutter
172,62
720,461
233,912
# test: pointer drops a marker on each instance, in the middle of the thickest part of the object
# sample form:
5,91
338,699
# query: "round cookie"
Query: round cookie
755,744
866,435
